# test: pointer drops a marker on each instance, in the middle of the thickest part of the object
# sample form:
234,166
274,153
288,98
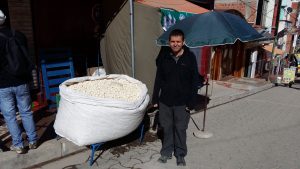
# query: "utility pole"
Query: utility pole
279,35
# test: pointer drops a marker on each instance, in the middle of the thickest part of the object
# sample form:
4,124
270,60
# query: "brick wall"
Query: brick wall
21,19
240,6
293,19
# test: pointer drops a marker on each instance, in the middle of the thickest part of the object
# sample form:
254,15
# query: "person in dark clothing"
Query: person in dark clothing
15,94
174,93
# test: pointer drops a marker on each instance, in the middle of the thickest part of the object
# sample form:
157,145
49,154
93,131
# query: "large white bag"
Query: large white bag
86,120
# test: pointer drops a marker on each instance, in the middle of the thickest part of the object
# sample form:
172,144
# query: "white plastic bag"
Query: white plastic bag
100,71
86,120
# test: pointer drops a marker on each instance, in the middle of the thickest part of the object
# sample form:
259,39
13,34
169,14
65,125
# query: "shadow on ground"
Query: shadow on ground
122,145
44,121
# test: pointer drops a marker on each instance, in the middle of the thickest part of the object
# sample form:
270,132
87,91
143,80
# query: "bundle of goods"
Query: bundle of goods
100,108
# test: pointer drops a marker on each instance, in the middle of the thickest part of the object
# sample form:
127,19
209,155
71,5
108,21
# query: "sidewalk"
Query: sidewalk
220,92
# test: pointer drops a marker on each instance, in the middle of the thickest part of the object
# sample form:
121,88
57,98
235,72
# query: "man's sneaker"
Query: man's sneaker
19,150
180,161
163,159
32,145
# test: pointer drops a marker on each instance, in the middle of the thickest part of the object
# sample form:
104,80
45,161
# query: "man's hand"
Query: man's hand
155,105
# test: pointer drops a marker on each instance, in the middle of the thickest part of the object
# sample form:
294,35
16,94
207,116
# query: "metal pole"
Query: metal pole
132,37
205,105
271,71
206,87
202,133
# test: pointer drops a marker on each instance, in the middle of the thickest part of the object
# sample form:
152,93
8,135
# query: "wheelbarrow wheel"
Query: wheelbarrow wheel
290,84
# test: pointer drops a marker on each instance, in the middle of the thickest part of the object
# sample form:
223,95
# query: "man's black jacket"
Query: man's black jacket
6,78
176,83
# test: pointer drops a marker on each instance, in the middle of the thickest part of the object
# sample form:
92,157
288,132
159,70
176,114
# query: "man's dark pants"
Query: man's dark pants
174,122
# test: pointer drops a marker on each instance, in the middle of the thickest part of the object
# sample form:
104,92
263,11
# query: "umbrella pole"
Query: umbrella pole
205,105
202,133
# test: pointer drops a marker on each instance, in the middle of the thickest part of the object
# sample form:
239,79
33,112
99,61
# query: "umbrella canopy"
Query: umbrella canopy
212,29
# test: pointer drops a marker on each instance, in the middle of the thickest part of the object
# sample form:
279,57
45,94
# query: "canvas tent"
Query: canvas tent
115,45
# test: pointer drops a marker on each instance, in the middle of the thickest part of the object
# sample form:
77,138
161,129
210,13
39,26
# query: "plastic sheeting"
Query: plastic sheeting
86,120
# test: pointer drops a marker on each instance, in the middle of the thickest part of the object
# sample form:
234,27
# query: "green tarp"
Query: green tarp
170,17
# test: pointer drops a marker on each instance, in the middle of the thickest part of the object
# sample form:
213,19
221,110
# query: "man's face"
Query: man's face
176,43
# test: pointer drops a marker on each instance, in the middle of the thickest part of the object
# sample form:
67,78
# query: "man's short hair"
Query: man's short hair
176,32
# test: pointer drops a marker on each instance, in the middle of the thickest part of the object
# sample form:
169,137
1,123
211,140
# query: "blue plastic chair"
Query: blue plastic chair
56,67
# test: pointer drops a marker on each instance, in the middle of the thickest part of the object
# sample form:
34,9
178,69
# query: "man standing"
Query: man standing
14,91
174,93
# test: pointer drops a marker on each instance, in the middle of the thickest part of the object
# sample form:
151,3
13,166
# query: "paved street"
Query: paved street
257,132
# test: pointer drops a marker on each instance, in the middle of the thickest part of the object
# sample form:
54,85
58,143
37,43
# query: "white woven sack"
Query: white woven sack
86,120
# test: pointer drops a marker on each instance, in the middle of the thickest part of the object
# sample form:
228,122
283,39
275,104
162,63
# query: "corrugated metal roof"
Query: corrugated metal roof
178,5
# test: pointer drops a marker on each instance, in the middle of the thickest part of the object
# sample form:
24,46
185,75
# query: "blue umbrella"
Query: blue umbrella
212,29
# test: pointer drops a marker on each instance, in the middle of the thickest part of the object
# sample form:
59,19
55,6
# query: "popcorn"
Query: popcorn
119,89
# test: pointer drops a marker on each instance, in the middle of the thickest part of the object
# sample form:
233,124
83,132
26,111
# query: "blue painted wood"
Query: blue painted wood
58,72
52,98
57,81
45,79
54,90
71,67
57,67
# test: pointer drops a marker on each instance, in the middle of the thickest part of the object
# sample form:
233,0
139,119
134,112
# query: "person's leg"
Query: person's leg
181,120
24,106
8,108
166,122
